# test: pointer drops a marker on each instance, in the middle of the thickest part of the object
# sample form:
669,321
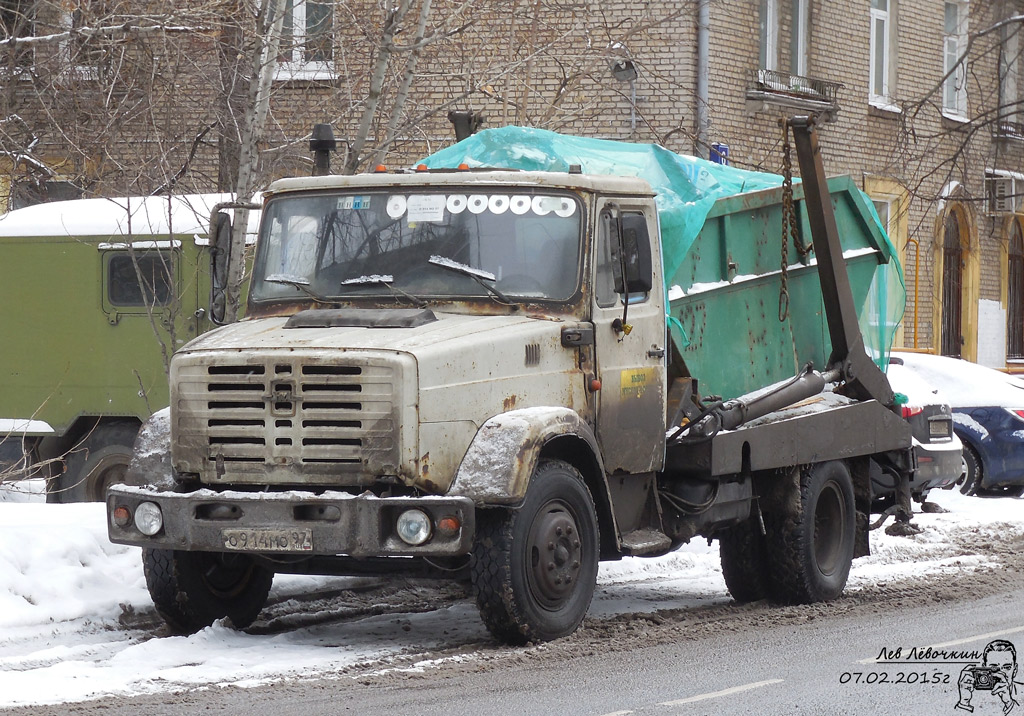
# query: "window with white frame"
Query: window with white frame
1011,95
769,59
954,86
881,51
307,40
799,37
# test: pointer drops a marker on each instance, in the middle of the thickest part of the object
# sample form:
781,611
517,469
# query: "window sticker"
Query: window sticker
457,203
426,207
477,203
520,204
544,205
566,207
396,206
354,202
498,204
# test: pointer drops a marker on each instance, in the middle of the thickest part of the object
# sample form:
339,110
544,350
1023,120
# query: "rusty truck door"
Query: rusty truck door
630,359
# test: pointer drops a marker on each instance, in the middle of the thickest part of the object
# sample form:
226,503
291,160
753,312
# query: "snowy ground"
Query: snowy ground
76,621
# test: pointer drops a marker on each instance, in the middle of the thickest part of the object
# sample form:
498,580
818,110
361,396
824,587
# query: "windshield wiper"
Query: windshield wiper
478,275
384,280
300,283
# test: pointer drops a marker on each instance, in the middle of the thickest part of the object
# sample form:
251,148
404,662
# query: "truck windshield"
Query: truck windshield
375,244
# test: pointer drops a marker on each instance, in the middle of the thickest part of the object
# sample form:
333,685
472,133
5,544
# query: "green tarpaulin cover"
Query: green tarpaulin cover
686,187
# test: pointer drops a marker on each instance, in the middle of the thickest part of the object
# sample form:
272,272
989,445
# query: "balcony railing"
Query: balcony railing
797,91
1008,129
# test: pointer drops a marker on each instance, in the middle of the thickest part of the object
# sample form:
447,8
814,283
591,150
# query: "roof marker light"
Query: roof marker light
463,166
380,168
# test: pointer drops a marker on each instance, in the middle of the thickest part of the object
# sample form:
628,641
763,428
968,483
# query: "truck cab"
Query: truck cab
467,373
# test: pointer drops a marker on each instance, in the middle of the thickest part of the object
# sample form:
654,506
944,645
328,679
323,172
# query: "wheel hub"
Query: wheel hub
555,554
829,517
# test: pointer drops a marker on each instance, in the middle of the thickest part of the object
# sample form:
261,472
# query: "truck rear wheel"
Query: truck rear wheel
534,569
191,590
811,536
94,465
742,551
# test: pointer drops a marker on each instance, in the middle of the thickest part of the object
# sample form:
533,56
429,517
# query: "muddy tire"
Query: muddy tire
191,590
534,568
98,462
811,536
744,557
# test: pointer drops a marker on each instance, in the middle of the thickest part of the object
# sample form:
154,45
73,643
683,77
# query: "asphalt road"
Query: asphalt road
722,660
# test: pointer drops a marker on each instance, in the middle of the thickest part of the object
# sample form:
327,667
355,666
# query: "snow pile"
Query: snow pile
76,620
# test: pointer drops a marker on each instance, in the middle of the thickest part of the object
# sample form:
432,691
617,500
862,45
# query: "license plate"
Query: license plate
939,428
268,540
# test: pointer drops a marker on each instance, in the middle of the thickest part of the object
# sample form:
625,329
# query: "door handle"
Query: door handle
656,352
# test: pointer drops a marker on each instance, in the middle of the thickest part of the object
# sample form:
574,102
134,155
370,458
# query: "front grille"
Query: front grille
282,421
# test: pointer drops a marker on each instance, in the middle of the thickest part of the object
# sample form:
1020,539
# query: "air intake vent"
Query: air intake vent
532,354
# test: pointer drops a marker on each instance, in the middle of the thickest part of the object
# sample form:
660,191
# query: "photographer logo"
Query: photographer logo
991,686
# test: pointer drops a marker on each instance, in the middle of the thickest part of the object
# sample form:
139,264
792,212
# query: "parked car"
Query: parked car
988,417
936,446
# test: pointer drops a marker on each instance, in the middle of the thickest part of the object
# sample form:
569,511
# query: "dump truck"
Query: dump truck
97,294
466,372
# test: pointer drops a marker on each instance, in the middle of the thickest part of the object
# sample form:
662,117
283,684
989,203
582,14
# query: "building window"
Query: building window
1011,92
1015,293
17,19
954,87
27,192
799,34
952,287
769,59
881,32
799,37
307,40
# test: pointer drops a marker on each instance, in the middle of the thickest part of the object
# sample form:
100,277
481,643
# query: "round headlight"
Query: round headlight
148,518
413,527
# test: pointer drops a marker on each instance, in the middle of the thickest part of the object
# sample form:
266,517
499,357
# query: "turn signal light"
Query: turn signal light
122,516
448,525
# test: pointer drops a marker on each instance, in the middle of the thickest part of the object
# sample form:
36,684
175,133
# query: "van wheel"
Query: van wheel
743,553
534,568
98,462
191,590
811,538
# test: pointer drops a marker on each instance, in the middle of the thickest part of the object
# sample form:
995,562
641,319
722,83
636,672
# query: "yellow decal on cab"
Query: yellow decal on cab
633,382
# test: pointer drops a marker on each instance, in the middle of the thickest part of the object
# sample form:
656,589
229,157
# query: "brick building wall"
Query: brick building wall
547,64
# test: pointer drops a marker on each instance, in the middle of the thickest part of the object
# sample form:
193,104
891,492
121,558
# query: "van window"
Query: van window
156,270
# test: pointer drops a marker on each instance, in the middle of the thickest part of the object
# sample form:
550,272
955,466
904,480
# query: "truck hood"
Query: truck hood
414,338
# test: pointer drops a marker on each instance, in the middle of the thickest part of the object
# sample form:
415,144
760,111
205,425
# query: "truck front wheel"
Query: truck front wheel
811,535
191,590
534,568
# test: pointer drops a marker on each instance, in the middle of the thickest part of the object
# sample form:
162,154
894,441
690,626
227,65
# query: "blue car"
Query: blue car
988,417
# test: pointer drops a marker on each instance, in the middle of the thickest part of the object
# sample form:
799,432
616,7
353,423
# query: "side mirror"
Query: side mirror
220,255
635,256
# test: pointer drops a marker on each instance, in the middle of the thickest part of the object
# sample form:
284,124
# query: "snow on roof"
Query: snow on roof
149,216
962,384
